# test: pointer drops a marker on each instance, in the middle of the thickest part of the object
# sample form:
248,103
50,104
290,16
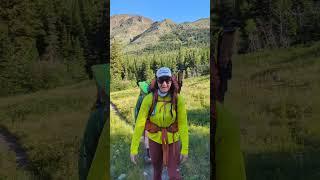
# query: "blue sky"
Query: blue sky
176,10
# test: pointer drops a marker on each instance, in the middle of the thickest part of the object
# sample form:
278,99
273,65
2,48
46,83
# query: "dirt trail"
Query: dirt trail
118,113
12,144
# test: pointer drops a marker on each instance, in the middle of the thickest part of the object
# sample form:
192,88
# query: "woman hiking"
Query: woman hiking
163,115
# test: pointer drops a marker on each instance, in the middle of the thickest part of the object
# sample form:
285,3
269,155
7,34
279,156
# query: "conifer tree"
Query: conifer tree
116,60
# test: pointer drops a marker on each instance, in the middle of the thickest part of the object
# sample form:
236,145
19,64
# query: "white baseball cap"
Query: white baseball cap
163,71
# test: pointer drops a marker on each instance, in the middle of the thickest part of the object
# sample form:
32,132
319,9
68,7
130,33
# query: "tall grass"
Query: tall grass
275,95
49,125
120,135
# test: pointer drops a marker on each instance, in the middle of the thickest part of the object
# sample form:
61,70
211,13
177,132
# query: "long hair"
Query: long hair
174,90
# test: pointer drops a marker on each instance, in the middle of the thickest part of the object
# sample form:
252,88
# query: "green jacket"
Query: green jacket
94,151
229,158
90,141
99,169
162,117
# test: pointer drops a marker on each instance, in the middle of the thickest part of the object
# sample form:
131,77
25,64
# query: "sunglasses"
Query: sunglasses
164,79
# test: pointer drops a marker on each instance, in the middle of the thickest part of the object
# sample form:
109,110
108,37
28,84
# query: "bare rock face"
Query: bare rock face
126,27
138,32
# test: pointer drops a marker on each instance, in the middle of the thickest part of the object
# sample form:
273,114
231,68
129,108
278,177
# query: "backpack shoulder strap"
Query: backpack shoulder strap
176,109
154,101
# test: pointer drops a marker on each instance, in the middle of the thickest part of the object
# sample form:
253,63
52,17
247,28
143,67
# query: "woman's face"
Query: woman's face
164,83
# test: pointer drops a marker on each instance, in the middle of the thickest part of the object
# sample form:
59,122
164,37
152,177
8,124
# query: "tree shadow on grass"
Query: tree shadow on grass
283,165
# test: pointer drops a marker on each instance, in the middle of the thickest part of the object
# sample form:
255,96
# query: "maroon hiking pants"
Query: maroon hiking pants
157,158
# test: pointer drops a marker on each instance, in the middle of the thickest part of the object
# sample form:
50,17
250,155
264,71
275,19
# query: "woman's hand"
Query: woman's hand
133,158
183,158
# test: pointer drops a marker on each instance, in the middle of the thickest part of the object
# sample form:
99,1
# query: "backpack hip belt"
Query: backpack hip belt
173,128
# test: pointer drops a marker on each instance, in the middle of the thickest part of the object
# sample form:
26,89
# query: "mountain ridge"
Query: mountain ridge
138,33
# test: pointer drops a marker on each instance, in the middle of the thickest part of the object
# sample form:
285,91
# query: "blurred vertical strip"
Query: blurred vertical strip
99,169
213,4
98,127
223,15
106,32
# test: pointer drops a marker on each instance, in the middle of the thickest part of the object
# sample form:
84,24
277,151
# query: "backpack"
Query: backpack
144,90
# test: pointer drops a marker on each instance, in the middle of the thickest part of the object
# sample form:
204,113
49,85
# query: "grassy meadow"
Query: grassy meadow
196,92
275,95
120,136
49,125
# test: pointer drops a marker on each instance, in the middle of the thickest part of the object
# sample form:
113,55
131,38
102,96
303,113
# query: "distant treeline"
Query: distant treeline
138,67
271,23
47,43
181,38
